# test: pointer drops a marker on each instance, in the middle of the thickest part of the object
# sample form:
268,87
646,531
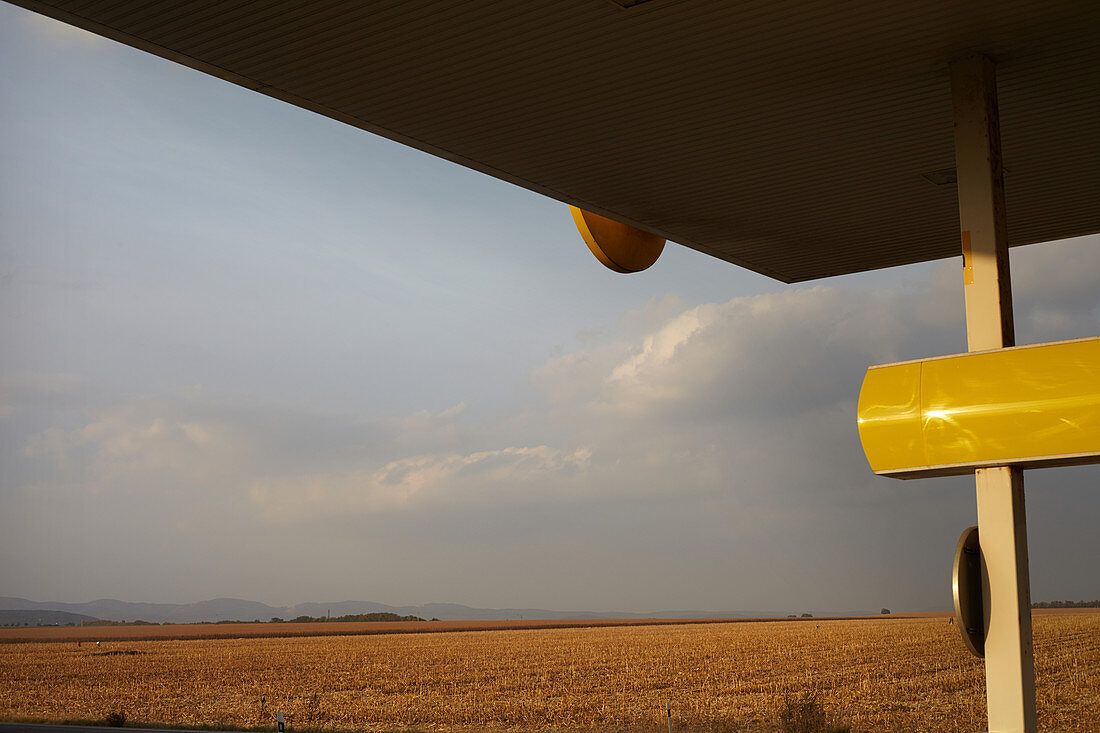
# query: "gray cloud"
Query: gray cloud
695,441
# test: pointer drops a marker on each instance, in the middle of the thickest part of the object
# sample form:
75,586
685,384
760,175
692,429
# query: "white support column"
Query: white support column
1002,530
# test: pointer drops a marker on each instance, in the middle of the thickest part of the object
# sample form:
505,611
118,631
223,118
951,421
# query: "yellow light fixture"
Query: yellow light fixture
618,246
1031,406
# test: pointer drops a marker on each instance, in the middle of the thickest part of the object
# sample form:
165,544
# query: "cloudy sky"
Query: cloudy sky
247,351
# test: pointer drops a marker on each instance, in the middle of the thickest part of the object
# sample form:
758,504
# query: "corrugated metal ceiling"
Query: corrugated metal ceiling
789,138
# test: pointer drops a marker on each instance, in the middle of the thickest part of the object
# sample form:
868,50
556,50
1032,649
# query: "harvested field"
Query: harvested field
875,675
153,632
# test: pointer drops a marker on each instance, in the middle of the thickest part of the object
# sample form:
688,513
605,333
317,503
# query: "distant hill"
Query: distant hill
42,618
235,609
217,609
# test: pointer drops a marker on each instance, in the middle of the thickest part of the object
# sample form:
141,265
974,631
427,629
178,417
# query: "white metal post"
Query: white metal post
1002,530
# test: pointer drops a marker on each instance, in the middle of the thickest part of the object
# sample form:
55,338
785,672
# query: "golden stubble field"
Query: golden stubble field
907,674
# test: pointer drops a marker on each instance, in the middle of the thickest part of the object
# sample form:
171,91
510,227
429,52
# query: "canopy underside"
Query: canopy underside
789,138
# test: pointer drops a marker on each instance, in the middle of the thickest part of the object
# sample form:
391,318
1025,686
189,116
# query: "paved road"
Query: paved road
51,728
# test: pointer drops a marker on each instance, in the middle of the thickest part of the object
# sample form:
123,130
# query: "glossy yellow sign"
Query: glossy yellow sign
1029,405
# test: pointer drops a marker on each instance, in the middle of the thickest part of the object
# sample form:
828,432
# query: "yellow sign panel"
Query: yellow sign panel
1031,406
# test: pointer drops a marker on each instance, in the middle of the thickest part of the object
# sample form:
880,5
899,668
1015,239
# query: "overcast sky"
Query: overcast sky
248,351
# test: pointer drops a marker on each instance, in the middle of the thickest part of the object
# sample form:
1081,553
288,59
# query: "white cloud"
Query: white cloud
147,441
759,356
427,481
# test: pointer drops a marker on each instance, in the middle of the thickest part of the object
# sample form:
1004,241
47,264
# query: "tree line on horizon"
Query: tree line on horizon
351,617
1066,604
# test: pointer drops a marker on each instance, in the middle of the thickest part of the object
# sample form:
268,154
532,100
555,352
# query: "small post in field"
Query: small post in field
668,709
279,720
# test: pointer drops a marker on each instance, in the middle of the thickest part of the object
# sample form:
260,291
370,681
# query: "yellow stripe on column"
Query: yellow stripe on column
1031,406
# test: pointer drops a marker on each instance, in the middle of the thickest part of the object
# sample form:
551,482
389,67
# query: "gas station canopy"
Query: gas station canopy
800,139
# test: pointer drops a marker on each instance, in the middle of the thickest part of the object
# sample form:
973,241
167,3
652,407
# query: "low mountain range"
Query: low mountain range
235,609
34,617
